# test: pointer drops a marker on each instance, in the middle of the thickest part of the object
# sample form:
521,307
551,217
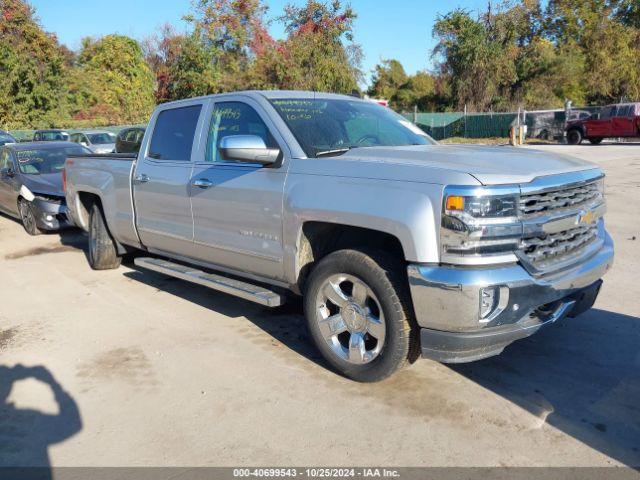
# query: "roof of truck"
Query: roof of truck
274,94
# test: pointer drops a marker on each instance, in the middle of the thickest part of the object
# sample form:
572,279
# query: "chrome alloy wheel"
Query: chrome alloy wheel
350,319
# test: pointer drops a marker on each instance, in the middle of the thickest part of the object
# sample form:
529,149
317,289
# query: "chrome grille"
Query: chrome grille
557,248
537,204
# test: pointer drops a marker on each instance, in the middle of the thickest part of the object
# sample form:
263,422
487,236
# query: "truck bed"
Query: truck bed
107,177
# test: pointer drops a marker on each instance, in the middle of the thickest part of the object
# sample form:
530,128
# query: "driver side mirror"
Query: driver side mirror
7,173
248,149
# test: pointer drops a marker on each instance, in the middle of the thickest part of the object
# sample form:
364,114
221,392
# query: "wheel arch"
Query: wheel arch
317,239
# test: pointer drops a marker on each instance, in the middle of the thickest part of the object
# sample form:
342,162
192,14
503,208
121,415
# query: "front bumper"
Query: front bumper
447,304
51,215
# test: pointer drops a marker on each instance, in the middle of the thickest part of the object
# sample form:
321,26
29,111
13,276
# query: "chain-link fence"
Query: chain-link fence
541,124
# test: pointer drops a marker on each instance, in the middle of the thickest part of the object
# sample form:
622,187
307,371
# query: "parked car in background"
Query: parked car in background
97,142
6,137
399,246
31,183
52,135
129,140
550,125
613,121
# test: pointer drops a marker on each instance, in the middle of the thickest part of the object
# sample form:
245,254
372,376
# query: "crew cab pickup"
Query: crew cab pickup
398,245
612,121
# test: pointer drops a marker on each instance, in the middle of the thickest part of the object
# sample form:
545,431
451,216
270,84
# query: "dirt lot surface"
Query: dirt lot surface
130,368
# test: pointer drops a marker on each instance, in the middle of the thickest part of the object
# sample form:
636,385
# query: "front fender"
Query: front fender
406,210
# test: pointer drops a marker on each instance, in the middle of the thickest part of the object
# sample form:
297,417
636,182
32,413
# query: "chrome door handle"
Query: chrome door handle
202,183
142,178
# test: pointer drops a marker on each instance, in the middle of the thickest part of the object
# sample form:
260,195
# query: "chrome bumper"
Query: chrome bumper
447,304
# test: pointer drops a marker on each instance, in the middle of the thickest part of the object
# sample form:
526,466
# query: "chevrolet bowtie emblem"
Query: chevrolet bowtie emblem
585,218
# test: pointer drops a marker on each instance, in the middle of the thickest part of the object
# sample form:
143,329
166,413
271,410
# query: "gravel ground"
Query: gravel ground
128,368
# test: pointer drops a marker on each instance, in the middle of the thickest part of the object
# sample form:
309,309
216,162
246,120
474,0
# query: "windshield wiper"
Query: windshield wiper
335,152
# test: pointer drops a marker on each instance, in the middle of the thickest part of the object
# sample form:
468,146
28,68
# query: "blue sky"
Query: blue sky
386,29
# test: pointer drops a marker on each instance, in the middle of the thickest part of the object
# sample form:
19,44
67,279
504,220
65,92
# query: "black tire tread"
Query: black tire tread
35,231
106,255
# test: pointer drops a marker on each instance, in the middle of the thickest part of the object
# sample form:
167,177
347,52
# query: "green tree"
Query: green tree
34,69
182,65
478,58
112,82
418,91
318,53
388,77
231,32
603,33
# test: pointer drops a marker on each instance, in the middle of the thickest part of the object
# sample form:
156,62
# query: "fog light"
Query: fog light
487,301
49,218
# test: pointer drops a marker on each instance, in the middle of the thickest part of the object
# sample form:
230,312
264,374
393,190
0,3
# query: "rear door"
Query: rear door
623,123
161,179
238,212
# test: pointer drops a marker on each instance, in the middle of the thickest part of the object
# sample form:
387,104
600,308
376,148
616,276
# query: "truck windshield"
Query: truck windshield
330,127
42,161
101,138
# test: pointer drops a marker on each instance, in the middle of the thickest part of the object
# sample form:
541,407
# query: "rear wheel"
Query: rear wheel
103,254
595,141
28,217
574,137
358,312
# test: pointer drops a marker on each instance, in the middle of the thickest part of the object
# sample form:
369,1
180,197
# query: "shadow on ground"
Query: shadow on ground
582,374
26,434
285,324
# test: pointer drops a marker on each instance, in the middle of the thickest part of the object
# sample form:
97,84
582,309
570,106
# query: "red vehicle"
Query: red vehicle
612,121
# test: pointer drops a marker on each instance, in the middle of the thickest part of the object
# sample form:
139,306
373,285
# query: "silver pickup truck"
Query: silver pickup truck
399,246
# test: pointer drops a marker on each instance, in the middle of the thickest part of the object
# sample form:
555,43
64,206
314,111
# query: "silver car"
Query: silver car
97,142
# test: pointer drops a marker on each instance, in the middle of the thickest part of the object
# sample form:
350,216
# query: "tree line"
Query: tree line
514,54
521,54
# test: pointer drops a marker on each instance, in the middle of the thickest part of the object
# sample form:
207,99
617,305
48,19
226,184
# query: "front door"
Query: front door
600,127
237,207
161,181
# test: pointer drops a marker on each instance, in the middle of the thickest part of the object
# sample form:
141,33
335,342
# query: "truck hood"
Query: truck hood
48,184
489,165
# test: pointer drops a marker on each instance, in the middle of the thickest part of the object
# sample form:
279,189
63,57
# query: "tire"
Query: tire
28,217
595,141
103,254
370,335
574,137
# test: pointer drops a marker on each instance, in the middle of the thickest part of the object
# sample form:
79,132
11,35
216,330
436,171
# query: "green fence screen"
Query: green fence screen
457,124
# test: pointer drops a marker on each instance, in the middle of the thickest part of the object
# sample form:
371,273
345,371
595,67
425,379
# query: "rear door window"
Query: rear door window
174,133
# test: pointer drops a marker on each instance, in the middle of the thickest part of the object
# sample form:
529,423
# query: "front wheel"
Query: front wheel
28,217
359,314
574,137
103,254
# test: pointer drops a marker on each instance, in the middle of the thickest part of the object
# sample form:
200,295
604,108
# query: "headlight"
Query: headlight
481,206
480,225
